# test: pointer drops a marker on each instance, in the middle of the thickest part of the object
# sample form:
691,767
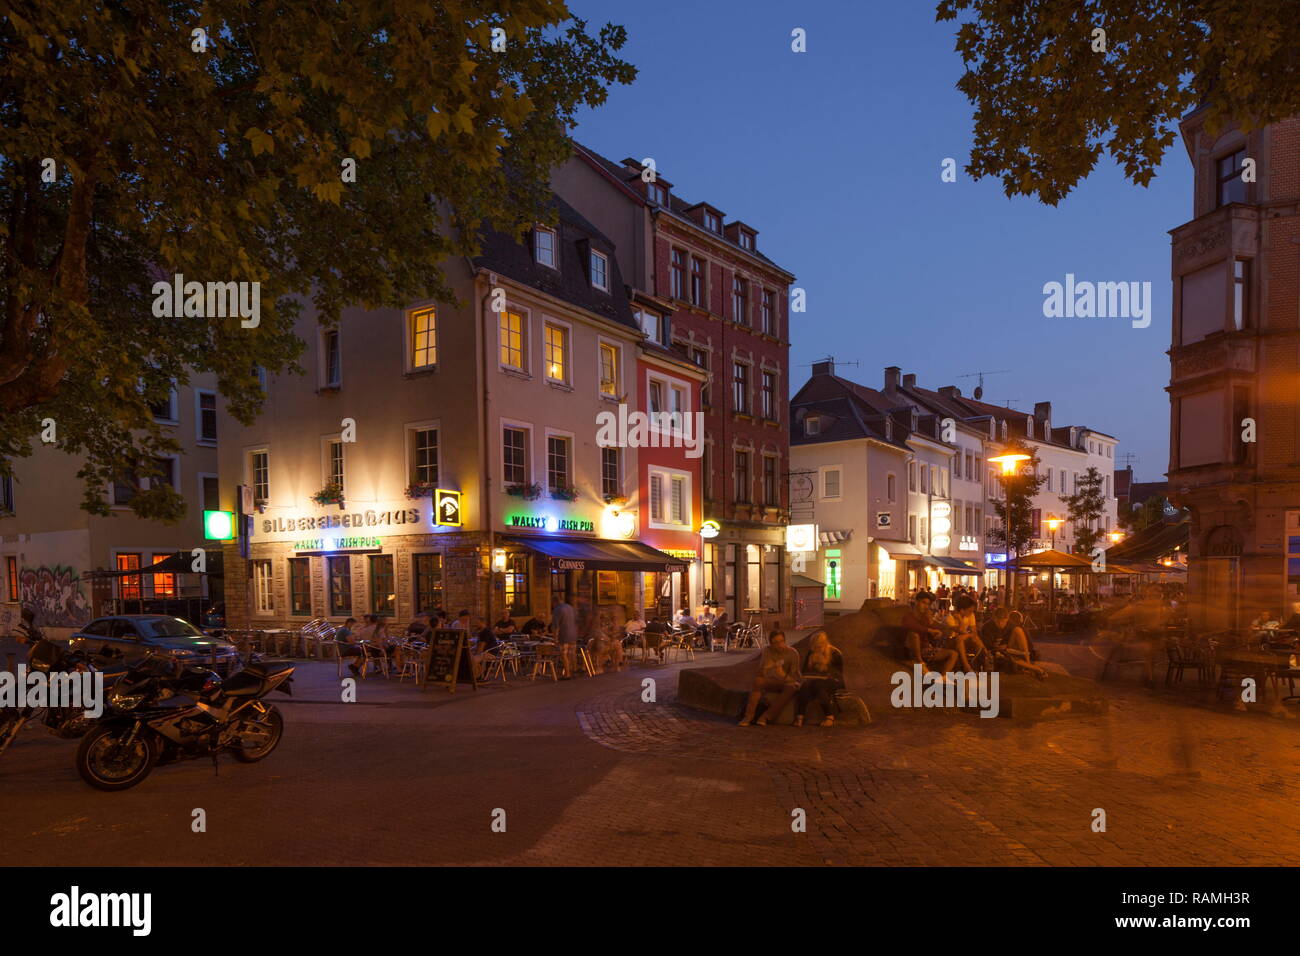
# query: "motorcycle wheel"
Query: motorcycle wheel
265,732
101,763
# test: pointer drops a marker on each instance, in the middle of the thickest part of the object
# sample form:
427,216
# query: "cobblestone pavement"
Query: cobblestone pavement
586,773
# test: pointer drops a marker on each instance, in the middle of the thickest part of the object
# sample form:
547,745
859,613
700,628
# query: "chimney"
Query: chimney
1043,412
824,368
950,391
891,379
909,380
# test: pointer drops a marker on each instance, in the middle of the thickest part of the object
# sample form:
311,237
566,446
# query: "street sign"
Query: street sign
446,508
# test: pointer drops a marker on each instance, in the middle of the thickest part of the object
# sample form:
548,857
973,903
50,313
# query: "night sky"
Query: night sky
834,156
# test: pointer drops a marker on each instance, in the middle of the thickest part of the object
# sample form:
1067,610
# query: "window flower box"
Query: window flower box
529,492
419,489
564,494
331,494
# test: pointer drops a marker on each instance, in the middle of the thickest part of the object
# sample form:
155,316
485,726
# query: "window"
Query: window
677,500
746,240
1232,188
166,472
164,583
608,370
656,397
925,525
830,483
653,325
812,425
1062,483
678,274
679,401
512,340
600,271
557,462
669,498
740,300
656,193
11,576
259,473
331,359
424,338
769,396
769,312
925,473
129,586
7,495
656,496
340,585
611,479
712,222
424,456
753,575
890,490
911,528
165,410
771,496
741,476
334,475
1241,293
515,453
206,424
427,571
697,282
383,600
911,476
773,561
557,353
516,582
740,387
544,247
1049,479
300,587
263,599
124,488
701,358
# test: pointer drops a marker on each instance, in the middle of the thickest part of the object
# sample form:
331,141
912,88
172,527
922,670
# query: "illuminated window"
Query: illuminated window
424,338
164,585
608,370
11,575
129,585
516,581
512,340
557,353
263,601
833,574
427,570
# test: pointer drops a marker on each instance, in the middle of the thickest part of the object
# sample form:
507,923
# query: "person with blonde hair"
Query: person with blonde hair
823,675
1016,647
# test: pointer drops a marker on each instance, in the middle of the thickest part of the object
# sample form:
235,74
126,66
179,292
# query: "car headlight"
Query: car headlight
179,652
121,700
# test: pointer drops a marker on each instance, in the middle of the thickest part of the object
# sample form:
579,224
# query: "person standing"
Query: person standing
565,621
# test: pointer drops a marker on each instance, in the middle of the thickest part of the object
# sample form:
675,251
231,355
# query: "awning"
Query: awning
900,550
575,554
181,562
951,565
834,537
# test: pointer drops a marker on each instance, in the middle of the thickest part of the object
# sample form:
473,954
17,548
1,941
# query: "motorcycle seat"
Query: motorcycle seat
259,669
243,684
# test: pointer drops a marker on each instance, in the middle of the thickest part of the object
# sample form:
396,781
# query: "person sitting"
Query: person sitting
1017,649
684,620
823,675
778,671
923,639
346,640
534,628
704,625
965,637
993,632
505,628
420,628
485,642
462,622
655,632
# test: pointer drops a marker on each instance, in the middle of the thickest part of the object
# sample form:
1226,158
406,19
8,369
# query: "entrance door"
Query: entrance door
1220,592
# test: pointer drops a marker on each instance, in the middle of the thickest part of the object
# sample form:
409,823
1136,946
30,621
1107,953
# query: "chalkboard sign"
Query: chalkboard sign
449,660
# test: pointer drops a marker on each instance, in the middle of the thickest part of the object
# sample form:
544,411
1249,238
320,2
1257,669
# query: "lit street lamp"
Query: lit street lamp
1010,461
1052,525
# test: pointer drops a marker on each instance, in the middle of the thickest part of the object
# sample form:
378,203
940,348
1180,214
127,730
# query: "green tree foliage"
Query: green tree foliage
1048,102
221,158
1084,509
1015,527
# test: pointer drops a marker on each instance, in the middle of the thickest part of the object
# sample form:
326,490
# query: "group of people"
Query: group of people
957,640
816,676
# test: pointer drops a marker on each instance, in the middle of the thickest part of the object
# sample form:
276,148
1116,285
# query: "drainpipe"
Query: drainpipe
485,482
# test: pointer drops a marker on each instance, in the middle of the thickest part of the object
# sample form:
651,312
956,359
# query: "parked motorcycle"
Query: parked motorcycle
47,657
138,732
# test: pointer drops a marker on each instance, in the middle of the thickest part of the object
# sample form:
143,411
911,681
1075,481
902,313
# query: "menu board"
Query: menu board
449,661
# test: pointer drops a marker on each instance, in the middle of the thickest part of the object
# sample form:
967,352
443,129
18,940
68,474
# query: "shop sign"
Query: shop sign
446,508
683,555
968,543
394,520
551,523
710,529
884,519
338,544
801,537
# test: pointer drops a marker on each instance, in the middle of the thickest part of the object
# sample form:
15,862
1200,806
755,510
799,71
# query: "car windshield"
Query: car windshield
170,627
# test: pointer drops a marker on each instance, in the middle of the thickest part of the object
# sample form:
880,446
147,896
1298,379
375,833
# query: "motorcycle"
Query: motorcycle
137,732
47,657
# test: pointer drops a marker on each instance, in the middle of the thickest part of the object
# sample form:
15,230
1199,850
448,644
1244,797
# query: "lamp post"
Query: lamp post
1052,524
1010,461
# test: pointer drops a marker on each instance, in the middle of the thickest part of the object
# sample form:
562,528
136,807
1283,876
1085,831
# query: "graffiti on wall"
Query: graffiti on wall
54,593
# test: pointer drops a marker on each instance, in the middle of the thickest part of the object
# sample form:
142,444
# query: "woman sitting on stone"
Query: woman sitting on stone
823,675
1016,649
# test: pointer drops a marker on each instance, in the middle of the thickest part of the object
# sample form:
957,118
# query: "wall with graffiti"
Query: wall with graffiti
56,594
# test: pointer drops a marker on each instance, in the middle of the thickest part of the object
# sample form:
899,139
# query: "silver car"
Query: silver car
136,635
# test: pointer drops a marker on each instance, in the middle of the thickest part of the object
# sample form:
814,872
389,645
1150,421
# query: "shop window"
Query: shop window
773,562
300,587
383,598
164,585
340,586
516,585
129,585
832,572
263,600
753,576
427,572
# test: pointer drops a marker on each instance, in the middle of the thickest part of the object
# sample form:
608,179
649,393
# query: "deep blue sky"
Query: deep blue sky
834,156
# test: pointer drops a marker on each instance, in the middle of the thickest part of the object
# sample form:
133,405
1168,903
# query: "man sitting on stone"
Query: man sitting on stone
778,672
923,639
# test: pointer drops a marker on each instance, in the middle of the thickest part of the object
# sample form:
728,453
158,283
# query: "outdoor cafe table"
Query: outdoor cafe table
1266,666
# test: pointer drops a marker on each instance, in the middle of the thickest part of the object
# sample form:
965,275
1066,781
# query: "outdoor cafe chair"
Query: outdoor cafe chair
683,642
373,655
544,656
653,641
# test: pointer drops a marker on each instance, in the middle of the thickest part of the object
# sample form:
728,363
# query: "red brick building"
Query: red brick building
1234,456
708,294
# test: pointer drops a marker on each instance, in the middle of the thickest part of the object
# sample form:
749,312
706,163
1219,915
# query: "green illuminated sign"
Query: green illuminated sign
218,525
833,565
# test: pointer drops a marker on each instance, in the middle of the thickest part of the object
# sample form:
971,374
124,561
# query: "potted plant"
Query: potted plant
529,492
331,494
564,493
420,489
616,499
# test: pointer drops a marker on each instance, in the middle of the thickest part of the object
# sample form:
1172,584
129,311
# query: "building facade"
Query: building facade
1234,450
50,548
706,292
445,456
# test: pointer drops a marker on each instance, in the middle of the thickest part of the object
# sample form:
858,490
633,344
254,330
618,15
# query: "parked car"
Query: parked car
135,635
214,618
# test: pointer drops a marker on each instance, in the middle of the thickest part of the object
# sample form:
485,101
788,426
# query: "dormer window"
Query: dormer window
712,222
1029,426
600,271
812,425
889,432
656,194
746,240
544,247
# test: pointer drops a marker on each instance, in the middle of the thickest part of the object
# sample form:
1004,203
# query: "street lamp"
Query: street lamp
1115,537
1052,525
1009,460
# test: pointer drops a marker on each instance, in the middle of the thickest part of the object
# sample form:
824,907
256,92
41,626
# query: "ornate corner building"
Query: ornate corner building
1234,450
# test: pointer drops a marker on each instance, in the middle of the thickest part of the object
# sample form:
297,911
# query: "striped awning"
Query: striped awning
834,537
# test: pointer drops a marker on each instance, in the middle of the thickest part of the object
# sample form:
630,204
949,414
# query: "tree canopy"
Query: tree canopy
1014,510
212,139
1051,95
1085,508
